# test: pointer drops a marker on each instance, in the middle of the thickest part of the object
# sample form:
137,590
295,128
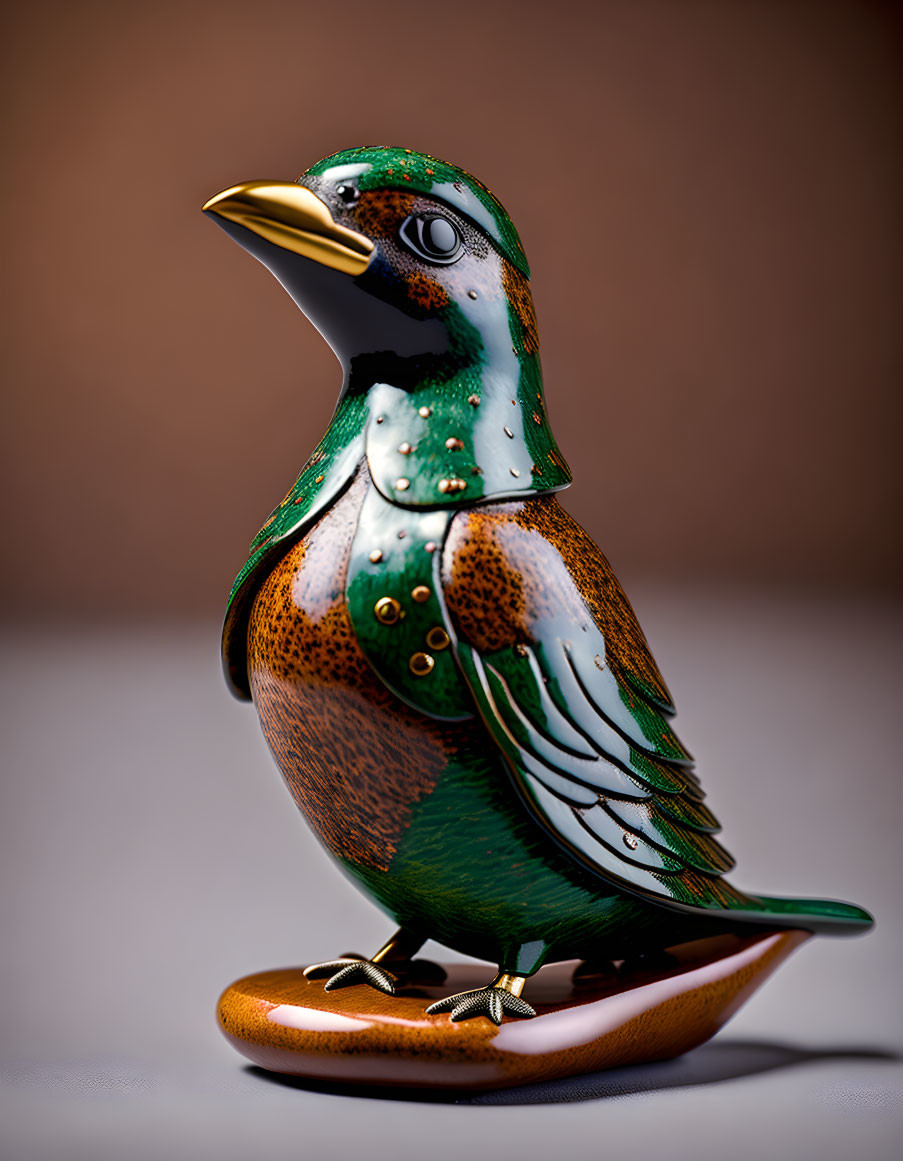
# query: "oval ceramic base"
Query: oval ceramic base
286,1023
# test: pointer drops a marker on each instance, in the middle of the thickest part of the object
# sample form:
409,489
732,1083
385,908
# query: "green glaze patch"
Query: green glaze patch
476,872
477,421
435,447
395,559
660,737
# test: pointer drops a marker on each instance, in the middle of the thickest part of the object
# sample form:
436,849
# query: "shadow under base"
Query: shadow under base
596,1020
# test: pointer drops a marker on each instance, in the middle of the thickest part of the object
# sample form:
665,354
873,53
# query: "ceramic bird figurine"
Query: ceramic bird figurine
447,672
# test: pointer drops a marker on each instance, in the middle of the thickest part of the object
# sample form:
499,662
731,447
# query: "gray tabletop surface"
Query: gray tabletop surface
150,854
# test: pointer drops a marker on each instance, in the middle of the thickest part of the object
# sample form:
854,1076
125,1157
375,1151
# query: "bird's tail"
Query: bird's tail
821,916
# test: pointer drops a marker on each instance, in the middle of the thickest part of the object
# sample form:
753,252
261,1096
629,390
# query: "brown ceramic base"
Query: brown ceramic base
286,1023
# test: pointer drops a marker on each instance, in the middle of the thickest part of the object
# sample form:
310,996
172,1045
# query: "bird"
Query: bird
450,678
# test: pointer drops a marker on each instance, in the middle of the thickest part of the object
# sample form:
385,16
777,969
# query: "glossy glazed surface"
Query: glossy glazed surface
422,811
285,1023
450,678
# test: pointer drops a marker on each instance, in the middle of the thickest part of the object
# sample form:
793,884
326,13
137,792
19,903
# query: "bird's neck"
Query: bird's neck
462,426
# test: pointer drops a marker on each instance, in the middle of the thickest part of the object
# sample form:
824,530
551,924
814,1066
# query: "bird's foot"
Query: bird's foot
352,969
390,967
500,998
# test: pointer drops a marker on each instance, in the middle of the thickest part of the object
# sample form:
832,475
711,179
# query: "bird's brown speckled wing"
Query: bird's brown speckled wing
568,689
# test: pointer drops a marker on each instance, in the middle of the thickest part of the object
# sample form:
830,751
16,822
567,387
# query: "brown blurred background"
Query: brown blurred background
709,193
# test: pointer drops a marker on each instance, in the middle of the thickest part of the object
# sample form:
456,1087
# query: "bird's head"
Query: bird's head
413,272
388,250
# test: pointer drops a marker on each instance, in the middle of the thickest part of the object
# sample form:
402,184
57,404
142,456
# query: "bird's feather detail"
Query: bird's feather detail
596,761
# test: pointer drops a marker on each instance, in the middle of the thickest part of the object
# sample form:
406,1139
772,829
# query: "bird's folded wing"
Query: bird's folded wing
595,760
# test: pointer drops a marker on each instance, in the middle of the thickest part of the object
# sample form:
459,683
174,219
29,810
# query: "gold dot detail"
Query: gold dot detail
405,448
387,610
424,412
376,556
421,664
421,594
402,484
437,638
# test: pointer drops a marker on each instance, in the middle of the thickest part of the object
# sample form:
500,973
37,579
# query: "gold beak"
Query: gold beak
290,216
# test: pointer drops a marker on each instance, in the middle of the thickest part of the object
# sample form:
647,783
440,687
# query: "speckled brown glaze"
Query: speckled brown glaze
355,758
426,292
378,214
517,289
508,567
286,1023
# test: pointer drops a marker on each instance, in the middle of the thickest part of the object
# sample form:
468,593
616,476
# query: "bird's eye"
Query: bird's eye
432,237
348,193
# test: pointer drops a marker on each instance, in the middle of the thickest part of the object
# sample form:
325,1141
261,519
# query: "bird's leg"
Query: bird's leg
393,961
500,998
